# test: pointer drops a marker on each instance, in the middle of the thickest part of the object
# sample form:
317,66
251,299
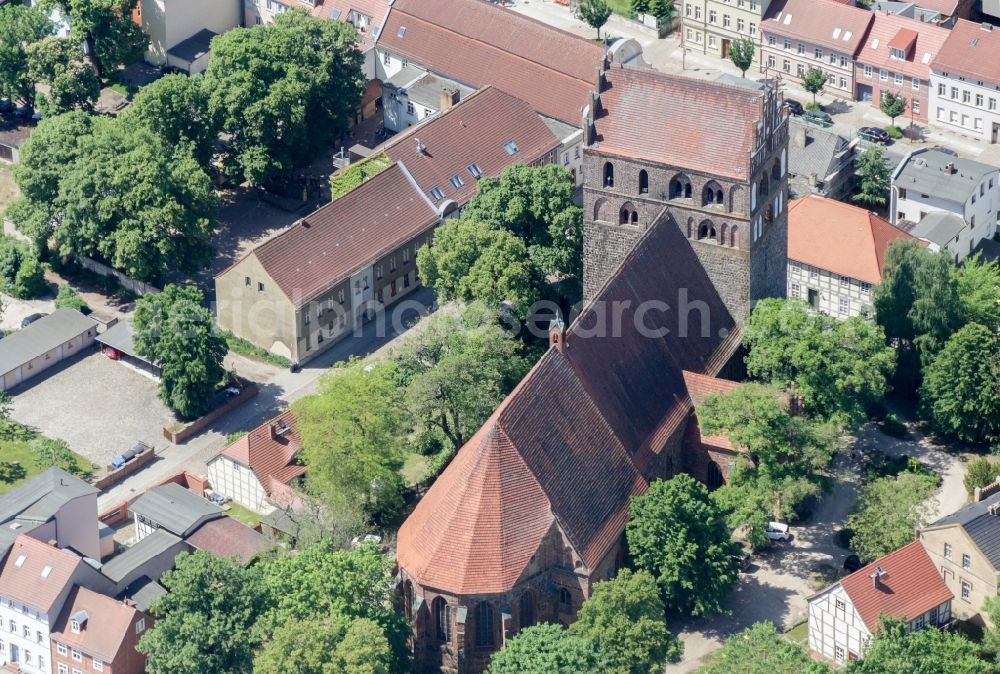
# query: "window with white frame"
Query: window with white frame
868,71
98,665
966,590
77,655
818,53
916,84
883,75
845,306
899,79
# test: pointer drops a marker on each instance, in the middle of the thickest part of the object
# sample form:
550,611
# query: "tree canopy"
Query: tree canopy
889,509
741,52
892,105
873,177
20,27
546,648
897,650
678,534
283,91
174,330
813,81
595,13
113,37
624,619
59,62
761,649
840,367
175,108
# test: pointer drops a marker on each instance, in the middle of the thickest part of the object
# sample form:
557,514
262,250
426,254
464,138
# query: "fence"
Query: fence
136,464
178,436
137,287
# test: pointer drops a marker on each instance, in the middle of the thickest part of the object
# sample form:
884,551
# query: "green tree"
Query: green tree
897,650
73,83
30,279
301,647
813,81
678,534
284,91
761,649
113,38
175,108
741,52
640,6
470,261
840,367
960,395
174,330
12,471
979,473
990,645
979,291
69,298
352,437
536,205
546,648
874,177
663,10
458,370
888,511
204,623
363,650
624,619
892,105
595,13
20,27
50,452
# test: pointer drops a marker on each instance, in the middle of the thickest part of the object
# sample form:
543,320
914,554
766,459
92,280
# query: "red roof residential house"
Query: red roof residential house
896,57
904,584
971,51
249,468
95,633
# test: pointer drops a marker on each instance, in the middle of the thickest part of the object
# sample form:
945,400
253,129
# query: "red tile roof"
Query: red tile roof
699,387
564,453
889,28
268,452
910,587
330,244
376,9
472,132
826,23
671,111
108,624
228,537
478,43
840,238
36,573
972,52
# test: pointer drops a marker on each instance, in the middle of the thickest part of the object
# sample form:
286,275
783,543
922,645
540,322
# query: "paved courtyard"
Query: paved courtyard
98,406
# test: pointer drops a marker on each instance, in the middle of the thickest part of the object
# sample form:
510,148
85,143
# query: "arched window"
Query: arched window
763,188
565,600
609,174
722,233
776,171
732,236
598,205
680,187
442,619
714,477
690,227
628,215
706,231
712,194
408,599
527,609
643,182
635,217
485,626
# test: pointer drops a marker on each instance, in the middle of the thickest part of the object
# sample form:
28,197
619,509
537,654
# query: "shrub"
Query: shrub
69,298
30,280
428,442
891,425
894,132
979,473
813,106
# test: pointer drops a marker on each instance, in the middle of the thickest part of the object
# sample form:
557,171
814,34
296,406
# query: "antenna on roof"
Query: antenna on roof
421,148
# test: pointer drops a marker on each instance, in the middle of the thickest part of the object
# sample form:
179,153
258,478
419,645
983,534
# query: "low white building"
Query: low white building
844,617
171,507
930,181
170,23
835,255
965,82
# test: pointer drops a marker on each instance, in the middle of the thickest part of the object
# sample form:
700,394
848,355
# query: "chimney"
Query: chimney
588,127
949,168
557,334
449,98
877,576
421,148
988,27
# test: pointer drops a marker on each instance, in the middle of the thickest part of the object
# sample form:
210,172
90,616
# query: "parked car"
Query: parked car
24,112
852,563
6,106
793,106
28,320
742,560
818,117
777,531
873,134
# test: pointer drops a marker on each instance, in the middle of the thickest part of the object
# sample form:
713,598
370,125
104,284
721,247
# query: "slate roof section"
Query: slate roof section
42,336
472,132
269,451
672,110
108,624
982,526
565,451
939,227
887,27
338,239
143,592
228,537
155,544
40,498
924,171
174,508
36,573
971,51
912,586
193,48
821,154
121,337
840,238
478,43
836,26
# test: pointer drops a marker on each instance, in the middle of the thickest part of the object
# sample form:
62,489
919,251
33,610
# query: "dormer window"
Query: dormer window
75,626
511,147
437,194
897,53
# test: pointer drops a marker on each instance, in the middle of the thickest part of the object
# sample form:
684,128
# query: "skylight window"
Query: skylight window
926,59
20,561
46,571
836,33
875,43
511,148
476,172
402,31
456,181
847,36
437,194
788,19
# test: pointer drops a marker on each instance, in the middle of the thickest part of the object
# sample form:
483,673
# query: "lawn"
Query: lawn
245,515
798,634
8,190
623,7
413,467
20,451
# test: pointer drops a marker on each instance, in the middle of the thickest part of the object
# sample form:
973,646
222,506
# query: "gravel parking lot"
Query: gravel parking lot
98,406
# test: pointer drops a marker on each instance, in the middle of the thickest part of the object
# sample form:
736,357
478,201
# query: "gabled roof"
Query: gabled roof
890,28
971,51
150,547
680,121
340,10
42,336
565,451
478,43
269,451
174,508
228,537
938,227
700,387
40,498
910,587
982,525
476,131
840,238
108,624
36,573
836,26
328,245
